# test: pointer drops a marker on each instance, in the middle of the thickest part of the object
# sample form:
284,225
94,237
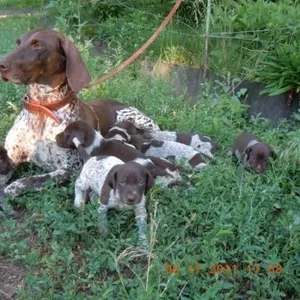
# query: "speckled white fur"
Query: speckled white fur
133,115
162,181
93,175
202,147
32,138
196,142
178,150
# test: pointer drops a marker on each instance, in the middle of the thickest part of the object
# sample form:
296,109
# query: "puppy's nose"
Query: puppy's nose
131,198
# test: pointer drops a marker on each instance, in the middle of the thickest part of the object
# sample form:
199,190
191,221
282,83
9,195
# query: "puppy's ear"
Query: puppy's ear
109,184
112,177
105,193
62,140
149,182
76,71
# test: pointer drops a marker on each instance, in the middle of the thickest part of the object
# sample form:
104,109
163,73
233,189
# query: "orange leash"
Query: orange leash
133,57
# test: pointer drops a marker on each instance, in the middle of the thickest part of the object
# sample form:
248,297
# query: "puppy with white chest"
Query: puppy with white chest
119,185
89,142
252,152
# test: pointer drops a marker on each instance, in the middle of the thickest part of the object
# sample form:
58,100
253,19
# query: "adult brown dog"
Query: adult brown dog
54,72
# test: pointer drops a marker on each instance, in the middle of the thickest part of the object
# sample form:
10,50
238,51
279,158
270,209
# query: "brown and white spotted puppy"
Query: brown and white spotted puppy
119,185
127,132
252,152
80,135
52,68
177,151
202,144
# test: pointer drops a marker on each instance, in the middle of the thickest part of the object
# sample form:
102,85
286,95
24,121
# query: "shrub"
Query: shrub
280,71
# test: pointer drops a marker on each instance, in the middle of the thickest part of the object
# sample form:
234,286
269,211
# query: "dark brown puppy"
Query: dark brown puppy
252,152
80,134
131,181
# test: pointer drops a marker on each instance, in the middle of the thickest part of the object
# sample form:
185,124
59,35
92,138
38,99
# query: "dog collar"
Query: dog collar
46,109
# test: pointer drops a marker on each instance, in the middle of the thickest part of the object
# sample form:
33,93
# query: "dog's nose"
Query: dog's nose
3,66
131,198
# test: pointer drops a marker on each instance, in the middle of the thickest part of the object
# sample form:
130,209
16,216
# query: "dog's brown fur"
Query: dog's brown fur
130,180
252,152
86,138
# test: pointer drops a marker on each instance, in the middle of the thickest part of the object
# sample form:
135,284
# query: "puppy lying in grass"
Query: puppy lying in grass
119,185
144,142
127,131
90,142
252,152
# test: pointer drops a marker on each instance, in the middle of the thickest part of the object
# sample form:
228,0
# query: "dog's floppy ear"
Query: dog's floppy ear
105,193
77,73
109,184
62,140
112,177
149,182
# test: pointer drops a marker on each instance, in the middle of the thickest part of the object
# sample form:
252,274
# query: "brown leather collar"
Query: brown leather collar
46,108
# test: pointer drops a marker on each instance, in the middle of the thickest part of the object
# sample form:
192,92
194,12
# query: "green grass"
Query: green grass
20,3
219,216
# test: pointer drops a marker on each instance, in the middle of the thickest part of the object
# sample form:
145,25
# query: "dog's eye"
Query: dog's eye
36,45
122,182
141,182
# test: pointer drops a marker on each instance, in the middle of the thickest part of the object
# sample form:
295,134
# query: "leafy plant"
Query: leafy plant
280,70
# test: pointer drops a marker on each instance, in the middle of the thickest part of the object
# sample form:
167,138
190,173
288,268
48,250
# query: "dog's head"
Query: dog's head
257,157
78,132
44,56
130,180
5,161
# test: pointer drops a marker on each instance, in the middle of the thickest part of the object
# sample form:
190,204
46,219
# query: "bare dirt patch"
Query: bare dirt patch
11,277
